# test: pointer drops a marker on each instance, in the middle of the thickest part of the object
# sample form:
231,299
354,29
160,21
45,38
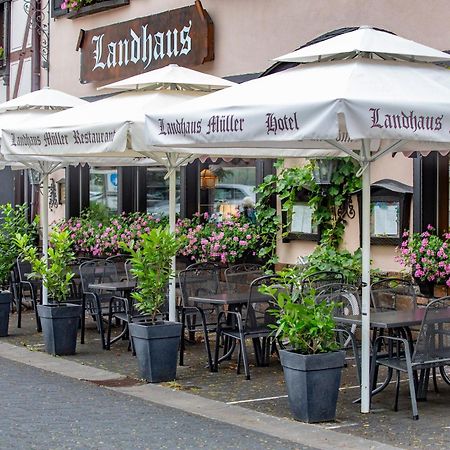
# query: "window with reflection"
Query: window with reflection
103,183
157,191
228,186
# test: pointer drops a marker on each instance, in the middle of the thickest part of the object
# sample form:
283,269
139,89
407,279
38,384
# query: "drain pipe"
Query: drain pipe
36,45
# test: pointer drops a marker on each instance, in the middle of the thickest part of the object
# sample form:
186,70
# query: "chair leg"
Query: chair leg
412,393
436,389
397,391
182,343
207,346
217,349
239,361
245,356
108,335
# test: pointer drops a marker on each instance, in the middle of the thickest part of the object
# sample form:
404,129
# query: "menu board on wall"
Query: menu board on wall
385,219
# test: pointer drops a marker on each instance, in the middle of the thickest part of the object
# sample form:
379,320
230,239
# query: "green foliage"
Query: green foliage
152,266
287,183
330,259
13,220
56,274
307,325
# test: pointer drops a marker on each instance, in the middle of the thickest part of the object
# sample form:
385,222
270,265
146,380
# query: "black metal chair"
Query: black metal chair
25,289
239,276
391,294
317,279
346,298
97,303
120,261
250,322
195,281
432,350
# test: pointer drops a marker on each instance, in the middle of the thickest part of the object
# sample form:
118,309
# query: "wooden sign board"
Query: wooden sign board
183,36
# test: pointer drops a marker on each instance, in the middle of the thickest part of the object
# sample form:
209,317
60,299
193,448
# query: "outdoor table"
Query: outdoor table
234,300
391,320
114,286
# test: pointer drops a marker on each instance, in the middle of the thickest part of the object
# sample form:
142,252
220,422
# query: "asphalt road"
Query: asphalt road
42,410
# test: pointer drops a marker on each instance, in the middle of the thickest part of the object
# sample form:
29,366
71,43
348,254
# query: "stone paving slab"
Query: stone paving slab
266,393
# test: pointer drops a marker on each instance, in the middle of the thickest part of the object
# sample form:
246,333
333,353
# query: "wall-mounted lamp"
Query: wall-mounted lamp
323,171
208,179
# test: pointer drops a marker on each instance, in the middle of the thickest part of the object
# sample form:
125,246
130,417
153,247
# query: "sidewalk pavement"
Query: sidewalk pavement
228,397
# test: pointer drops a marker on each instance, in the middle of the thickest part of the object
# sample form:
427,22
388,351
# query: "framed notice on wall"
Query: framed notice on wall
385,219
302,219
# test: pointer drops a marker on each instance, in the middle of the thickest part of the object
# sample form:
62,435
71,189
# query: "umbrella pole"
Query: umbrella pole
365,332
172,217
44,223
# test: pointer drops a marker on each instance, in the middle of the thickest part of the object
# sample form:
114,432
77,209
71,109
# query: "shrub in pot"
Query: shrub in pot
59,319
155,340
312,362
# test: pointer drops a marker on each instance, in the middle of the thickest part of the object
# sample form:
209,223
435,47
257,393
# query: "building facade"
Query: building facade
109,40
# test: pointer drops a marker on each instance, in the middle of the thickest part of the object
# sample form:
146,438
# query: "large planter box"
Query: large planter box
312,383
156,348
5,308
60,327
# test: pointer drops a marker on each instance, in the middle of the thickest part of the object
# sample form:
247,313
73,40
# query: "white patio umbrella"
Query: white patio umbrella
111,131
21,110
368,98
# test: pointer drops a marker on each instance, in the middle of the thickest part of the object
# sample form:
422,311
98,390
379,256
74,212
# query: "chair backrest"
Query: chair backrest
345,296
239,276
317,279
128,267
119,260
257,312
198,281
433,341
97,271
204,265
23,269
393,294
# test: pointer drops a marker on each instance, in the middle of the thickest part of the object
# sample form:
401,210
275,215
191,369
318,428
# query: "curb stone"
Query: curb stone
297,432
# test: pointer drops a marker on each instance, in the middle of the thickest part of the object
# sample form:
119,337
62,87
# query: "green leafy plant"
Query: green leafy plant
326,206
152,266
56,274
2,52
306,324
13,220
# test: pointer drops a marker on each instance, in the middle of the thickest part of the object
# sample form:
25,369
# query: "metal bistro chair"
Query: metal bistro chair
120,260
197,280
391,294
432,350
25,289
239,276
96,303
318,279
250,322
346,298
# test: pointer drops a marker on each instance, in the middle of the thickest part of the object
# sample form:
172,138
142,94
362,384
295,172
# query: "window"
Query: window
234,188
157,189
103,184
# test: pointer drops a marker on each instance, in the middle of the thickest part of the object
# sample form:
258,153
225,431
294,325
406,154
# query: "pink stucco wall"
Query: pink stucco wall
249,33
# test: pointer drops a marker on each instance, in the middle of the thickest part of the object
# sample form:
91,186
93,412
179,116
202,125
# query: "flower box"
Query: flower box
99,6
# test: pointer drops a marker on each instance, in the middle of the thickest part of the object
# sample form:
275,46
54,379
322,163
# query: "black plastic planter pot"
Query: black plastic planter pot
5,307
156,349
60,327
312,383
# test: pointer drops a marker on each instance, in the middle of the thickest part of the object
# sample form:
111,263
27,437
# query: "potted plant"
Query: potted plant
13,220
312,362
155,340
59,319
426,255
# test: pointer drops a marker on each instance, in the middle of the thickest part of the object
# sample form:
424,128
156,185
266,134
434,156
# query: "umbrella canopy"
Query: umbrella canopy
378,43
363,107
111,131
172,77
44,98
